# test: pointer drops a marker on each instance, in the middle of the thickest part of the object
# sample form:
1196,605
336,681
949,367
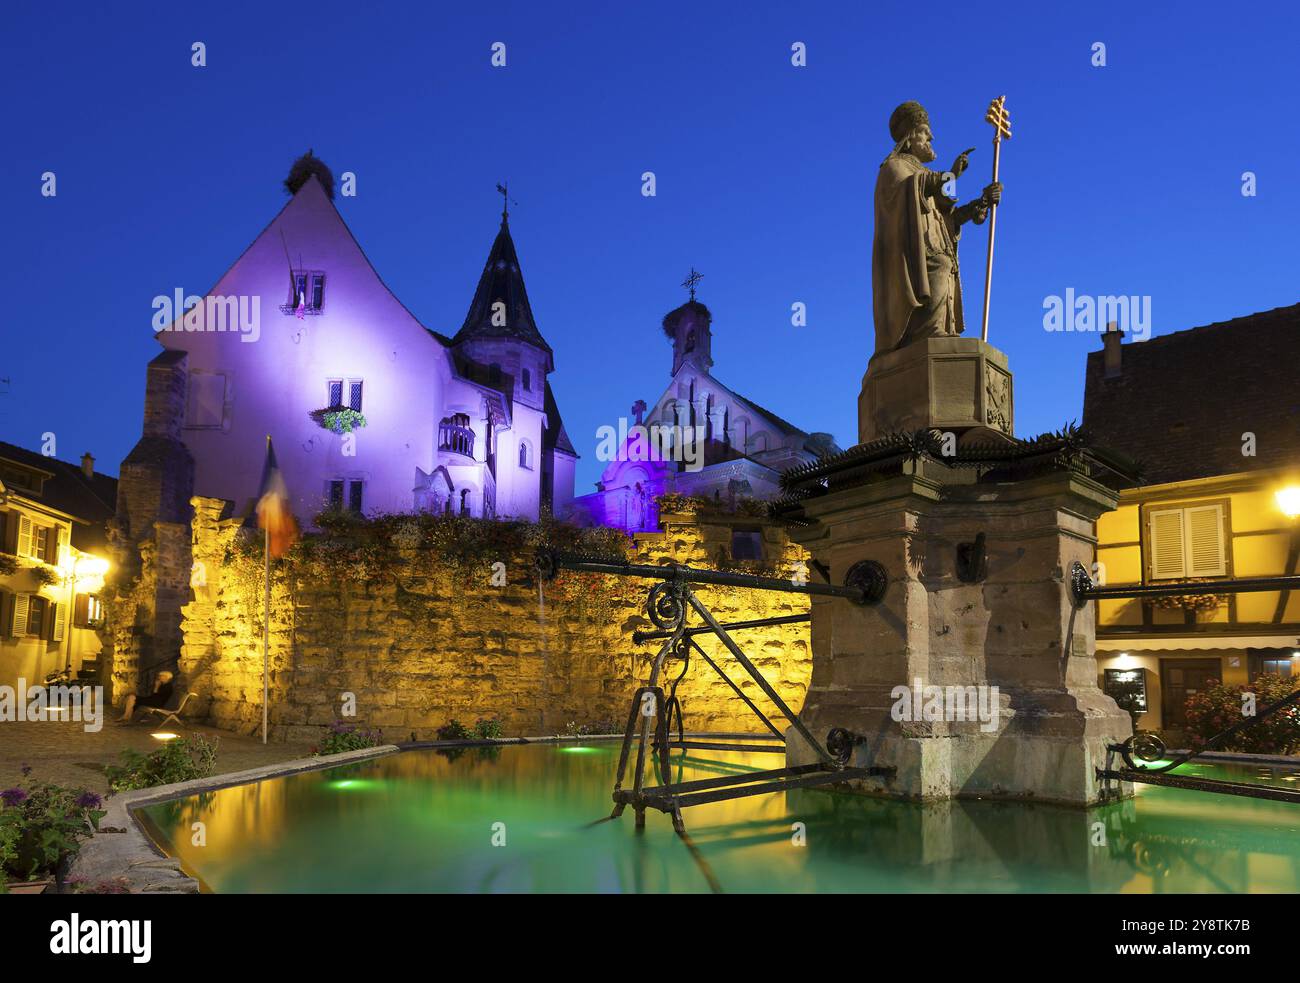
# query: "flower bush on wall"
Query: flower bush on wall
673,503
1189,602
339,419
380,549
46,576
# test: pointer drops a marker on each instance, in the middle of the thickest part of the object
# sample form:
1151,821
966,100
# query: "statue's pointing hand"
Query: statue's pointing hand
962,162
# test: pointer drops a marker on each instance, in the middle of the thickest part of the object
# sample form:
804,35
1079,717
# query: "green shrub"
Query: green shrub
454,730
344,736
487,728
42,825
181,760
1218,707
9,835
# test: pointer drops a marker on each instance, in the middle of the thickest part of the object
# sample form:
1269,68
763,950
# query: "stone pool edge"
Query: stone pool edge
122,849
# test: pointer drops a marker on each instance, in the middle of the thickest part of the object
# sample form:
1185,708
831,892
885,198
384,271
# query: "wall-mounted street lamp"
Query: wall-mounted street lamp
82,569
1288,500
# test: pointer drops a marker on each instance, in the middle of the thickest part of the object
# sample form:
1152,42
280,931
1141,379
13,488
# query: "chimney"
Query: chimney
1112,358
88,465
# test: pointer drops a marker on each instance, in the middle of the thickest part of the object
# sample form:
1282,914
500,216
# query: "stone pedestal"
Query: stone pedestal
1015,628
953,384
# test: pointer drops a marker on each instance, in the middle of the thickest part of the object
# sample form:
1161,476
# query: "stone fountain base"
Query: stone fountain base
978,606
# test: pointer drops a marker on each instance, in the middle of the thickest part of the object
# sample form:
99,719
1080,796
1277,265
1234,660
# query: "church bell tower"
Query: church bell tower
688,328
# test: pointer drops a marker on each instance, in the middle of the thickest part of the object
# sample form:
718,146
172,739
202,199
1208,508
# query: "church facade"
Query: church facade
369,410
699,438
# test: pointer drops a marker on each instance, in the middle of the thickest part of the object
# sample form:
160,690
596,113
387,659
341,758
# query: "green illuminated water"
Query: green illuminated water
421,821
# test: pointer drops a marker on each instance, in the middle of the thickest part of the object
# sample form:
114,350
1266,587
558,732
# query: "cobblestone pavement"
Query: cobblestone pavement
62,751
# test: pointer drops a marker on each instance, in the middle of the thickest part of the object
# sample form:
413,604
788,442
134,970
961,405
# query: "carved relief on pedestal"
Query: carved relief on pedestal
997,391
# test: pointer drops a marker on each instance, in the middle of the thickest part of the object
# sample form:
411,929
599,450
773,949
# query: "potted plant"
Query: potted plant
41,828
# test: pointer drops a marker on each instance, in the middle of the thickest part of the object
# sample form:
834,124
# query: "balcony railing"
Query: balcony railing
457,439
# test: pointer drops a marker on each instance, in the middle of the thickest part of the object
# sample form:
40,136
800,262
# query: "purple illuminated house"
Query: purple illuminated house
699,438
300,339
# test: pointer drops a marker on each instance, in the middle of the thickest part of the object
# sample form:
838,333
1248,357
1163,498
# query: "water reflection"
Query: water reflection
526,819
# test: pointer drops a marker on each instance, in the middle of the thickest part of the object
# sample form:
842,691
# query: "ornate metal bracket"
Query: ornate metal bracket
870,578
1080,584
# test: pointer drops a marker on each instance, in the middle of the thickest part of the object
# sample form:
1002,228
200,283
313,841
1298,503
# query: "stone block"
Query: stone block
950,383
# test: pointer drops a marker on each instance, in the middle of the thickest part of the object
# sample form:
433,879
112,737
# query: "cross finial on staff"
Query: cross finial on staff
692,280
998,116
504,192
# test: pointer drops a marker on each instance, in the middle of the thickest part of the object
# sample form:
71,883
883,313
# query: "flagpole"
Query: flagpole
266,620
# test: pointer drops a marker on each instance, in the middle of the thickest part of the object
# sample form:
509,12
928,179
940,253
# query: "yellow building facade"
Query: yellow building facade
1207,417
52,568
1204,529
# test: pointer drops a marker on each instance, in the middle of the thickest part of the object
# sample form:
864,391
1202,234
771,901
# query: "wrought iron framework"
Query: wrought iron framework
1147,748
655,706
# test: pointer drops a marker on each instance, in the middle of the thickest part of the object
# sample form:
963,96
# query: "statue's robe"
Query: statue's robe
915,282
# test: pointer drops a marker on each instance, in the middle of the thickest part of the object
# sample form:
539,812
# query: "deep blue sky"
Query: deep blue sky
1122,179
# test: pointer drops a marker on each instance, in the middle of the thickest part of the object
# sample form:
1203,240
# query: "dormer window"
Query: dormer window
494,374
526,378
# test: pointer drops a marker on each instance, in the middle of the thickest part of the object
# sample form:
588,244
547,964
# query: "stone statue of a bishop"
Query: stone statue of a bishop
915,280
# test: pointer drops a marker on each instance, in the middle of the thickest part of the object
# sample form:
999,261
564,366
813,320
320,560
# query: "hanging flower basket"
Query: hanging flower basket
47,576
1189,602
339,419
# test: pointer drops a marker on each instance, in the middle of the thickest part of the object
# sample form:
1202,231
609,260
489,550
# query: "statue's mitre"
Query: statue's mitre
907,118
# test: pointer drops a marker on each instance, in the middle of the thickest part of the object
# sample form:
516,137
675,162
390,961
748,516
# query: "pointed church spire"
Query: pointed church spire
500,307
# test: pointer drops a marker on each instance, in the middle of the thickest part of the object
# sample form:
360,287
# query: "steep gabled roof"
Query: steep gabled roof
555,437
1181,402
503,281
92,500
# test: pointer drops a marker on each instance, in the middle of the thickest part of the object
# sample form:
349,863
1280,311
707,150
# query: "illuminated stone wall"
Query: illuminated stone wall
420,647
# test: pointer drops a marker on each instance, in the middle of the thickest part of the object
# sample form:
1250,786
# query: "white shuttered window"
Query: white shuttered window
22,604
1187,542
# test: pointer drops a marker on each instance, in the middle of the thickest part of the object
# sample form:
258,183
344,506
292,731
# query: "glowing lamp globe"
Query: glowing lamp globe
1288,500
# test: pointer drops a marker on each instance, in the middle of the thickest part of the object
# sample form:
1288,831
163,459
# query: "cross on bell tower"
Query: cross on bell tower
688,328
692,280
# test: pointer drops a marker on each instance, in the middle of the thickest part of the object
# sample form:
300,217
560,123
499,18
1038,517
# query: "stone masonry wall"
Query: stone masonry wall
419,648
